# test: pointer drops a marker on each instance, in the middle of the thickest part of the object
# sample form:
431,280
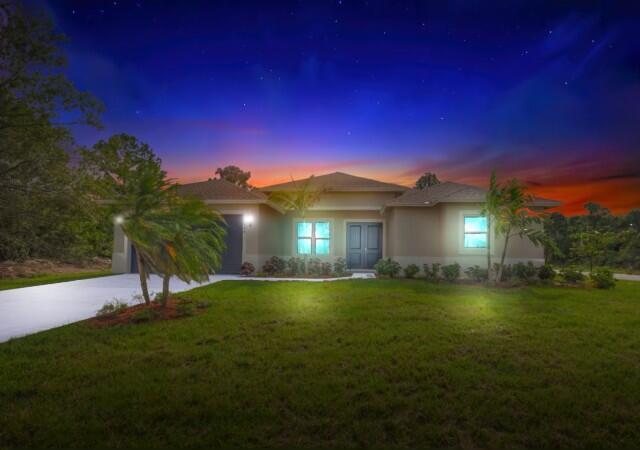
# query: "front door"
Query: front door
364,244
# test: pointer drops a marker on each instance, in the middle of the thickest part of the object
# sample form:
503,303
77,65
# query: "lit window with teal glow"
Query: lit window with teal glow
475,232
313,238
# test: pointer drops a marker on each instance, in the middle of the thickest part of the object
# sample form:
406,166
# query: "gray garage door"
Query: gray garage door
232,257
364,245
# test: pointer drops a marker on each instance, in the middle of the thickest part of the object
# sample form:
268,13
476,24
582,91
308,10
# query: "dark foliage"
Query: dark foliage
451,272
247,269
477,273
602,279
411,271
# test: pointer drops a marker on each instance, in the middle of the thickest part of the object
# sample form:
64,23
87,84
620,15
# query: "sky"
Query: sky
548,92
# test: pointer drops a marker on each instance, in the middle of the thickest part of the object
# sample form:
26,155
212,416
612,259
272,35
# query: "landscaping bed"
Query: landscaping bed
115,313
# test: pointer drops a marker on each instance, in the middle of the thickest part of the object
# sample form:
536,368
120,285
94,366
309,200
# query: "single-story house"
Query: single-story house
359,219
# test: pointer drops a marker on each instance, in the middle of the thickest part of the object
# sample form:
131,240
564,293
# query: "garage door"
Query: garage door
232,256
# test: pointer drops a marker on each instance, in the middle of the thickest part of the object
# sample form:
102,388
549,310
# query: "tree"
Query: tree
427,180
189,240
591,245
491,208
235,175
506,207
41,202
299,200
172,236
127,176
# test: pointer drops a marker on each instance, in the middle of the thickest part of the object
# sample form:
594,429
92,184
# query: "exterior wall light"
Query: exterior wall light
247,219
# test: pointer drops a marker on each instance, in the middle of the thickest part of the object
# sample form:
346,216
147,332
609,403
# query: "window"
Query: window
313,238
475,232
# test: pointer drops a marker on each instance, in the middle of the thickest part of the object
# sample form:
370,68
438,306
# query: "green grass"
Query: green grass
14,283
380,363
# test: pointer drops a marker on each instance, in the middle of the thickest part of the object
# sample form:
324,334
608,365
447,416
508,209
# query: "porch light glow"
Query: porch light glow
119,220
247,219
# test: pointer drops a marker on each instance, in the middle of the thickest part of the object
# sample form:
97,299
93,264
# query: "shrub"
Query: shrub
247,269
296,266
325,268
144,315
432,273
184,308
387,267
524,272
111,309
572,276
507,271
340,266
546,272
602,279
451,272
274,265
315,266
477,273
411,271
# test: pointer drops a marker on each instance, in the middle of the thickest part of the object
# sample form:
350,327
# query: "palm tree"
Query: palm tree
490,209
299,200
188,242
147,192
506,205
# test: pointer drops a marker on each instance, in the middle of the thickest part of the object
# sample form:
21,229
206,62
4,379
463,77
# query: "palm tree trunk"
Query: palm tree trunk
507,235
488,249
142,272
165,289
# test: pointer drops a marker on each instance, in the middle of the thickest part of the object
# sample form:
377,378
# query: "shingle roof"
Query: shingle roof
451,192
220,190
339,182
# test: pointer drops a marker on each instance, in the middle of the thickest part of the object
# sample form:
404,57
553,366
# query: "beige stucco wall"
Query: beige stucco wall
335,201
425,235
338,222
121,256
410,234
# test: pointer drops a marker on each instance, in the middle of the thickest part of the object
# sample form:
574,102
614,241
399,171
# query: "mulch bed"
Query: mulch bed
174,309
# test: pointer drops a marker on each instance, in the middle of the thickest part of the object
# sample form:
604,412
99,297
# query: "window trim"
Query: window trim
313,237
465,232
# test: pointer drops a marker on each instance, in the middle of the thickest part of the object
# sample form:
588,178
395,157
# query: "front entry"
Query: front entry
364,244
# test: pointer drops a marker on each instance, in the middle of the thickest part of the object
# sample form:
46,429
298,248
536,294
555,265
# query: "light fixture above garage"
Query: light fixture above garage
247,219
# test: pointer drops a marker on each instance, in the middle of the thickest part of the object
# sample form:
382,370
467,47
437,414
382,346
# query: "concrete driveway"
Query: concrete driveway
37,308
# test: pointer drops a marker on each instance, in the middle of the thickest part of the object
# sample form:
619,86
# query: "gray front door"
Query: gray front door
364,244
232,256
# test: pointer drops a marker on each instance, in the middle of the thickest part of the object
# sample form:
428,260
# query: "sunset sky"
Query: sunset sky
385,89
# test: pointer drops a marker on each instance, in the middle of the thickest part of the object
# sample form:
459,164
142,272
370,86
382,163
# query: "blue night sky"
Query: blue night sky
549,94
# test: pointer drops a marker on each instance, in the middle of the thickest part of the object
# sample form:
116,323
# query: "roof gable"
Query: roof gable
339,182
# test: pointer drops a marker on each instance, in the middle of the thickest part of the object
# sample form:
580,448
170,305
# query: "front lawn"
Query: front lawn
13,283
348,363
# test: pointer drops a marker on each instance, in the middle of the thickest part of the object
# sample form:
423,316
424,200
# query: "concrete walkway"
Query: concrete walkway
626,277
37,308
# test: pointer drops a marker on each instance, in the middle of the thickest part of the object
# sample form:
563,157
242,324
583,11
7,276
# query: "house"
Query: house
357,218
